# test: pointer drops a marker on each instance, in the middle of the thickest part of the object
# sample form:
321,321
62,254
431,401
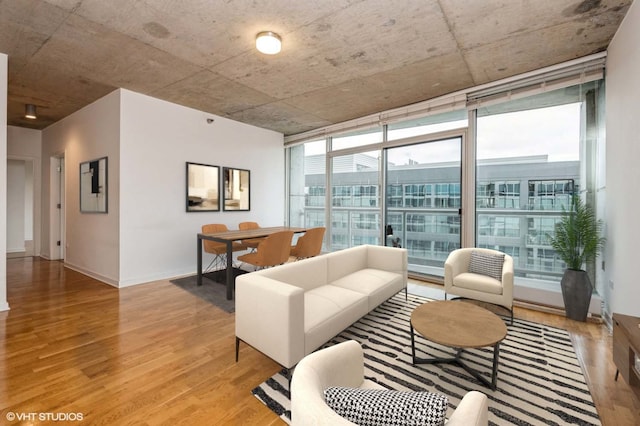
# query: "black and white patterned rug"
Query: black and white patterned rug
540,380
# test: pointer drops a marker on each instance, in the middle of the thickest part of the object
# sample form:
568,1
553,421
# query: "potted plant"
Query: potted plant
577,240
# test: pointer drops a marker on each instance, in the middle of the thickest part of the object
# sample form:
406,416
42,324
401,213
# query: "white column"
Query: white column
4,305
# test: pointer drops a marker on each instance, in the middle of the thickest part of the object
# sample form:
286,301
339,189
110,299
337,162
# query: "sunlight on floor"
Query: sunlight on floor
432,291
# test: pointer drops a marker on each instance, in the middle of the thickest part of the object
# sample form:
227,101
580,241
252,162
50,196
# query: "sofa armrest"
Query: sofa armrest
507,277
392,259
270,317
338,365
473,410
457,263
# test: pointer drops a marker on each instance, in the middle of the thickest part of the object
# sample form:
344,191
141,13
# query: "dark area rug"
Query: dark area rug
213,289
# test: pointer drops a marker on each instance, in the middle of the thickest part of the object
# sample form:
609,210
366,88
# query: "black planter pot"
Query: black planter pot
576,293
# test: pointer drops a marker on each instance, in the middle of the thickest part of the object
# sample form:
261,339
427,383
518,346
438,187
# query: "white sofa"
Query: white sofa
288,311
343,365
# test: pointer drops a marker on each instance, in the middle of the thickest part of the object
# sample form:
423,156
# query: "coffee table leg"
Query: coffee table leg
494,374
457,360
413,344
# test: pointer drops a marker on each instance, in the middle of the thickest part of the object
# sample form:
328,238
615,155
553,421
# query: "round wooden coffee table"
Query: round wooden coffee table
458,325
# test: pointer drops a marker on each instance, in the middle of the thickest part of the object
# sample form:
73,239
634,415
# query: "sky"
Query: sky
554,131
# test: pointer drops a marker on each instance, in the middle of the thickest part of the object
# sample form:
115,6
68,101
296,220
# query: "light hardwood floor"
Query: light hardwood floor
154,354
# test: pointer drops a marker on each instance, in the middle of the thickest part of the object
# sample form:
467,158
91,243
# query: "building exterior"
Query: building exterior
518,202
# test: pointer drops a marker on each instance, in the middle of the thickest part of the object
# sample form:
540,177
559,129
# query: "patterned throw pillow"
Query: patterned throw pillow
375,407
487,264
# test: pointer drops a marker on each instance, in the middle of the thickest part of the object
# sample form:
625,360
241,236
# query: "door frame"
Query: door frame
467,177
57,214
467,174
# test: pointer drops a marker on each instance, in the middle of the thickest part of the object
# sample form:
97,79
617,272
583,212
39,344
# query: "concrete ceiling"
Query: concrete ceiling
341,59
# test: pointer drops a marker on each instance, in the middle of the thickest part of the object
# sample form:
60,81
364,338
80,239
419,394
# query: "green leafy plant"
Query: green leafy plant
577,238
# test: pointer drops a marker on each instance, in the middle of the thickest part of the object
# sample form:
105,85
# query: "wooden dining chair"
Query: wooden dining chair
273,251
251,243
309,244
219,250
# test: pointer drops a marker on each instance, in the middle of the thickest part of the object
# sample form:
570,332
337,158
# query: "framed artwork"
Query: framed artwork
203,188
93,186
237,193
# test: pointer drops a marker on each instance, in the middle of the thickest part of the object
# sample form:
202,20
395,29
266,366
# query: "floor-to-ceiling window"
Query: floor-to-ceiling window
356,217
307,184
530,162
423,188
504,186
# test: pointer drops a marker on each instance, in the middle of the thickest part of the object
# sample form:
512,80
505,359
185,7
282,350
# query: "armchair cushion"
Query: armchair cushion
478,282
374,407
487,264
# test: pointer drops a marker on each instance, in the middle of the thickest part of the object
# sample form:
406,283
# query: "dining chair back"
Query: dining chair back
219,250
309,244
274,250
252,243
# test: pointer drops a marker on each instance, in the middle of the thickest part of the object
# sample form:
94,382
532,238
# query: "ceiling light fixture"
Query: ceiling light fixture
268,42
30,111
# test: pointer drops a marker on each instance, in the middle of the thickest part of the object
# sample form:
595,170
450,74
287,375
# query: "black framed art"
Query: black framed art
237,189
93,186
203,188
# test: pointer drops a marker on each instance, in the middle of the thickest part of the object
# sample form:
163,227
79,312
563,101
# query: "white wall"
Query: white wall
26,145
16,183
623,172
91,240
147,233
157,235
4,305
23,142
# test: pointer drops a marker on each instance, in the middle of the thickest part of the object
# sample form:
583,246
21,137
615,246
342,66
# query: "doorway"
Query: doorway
57,208
21,205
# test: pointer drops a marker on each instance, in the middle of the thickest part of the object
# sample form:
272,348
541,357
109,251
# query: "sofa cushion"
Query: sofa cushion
488,264
328,310
374,407
377,284
478,282
345,262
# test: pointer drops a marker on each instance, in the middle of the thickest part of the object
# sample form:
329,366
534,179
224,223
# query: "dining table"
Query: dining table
228,237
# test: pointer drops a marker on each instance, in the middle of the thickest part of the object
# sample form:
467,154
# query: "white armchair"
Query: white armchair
343,365
460,281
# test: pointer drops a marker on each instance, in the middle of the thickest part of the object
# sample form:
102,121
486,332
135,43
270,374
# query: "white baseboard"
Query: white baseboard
151,278
130,282
551,297
16,254
106,280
